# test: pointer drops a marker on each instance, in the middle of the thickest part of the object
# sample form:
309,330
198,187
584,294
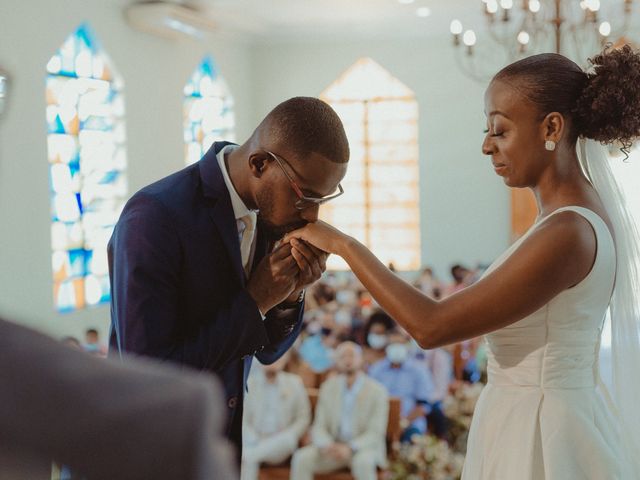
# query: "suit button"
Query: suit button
233,401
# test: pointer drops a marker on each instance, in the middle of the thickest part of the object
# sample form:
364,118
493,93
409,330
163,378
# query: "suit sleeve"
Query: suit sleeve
283,327
302,415
145,257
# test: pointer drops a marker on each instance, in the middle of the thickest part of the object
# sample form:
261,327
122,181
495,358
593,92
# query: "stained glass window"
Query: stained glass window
380,206
87,166
208,111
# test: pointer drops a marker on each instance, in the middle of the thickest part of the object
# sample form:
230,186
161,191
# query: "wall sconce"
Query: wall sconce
4,88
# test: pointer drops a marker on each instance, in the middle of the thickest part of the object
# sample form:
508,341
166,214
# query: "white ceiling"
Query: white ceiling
284,19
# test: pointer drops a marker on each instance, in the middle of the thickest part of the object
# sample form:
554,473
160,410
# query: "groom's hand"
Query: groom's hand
311,261
274,279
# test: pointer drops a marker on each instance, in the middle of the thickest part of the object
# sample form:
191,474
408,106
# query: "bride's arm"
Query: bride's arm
556,256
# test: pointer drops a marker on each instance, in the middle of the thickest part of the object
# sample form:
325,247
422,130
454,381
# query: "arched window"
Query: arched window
208,111
380,205
87,165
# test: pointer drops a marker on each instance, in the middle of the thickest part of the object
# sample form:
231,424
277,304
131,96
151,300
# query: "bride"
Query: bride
544,413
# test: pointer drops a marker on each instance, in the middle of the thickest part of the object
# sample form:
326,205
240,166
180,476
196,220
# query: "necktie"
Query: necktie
249,222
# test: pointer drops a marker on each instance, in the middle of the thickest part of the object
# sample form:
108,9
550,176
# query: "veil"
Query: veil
624,306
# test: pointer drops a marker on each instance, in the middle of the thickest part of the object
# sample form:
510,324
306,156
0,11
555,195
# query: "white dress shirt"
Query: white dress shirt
348,407
240,210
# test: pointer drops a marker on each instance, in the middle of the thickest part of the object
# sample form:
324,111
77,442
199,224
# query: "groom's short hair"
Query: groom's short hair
308,125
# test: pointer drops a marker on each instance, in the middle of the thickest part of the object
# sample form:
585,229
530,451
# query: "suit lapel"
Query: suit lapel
221,211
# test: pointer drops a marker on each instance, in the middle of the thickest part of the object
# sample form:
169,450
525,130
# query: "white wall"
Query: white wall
154,71
464,206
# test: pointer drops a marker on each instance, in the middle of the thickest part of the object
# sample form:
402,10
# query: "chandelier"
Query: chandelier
518,28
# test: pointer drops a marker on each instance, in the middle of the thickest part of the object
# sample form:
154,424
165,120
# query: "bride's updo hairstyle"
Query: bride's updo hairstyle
602,104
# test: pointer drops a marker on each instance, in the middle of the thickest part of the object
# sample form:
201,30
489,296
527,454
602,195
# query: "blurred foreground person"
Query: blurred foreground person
103,419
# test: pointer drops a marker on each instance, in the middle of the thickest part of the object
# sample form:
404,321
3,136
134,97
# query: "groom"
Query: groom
195,277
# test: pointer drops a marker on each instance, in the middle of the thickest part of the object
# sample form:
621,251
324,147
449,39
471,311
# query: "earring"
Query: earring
550,145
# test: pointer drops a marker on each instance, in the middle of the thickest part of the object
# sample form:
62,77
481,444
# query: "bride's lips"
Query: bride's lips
499,168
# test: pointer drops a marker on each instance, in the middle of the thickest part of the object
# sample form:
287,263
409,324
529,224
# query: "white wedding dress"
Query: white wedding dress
544,413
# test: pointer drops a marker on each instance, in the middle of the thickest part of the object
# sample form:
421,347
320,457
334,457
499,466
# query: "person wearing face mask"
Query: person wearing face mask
408,380
350,423
376,332
317,349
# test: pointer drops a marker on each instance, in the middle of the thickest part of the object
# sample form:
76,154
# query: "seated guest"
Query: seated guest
376,337
317,349
440,365
92,343
350,423
276,415
408,380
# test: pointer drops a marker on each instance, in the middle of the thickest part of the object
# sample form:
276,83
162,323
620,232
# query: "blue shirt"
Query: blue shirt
316,354
410,382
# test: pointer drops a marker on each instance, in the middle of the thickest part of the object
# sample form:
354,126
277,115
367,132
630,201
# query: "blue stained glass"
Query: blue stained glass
97,289
208,110
109,177
85,35
88,259
65,208
74,166
79,200
58,126
88,162
66,298
77,263
96,123
104,283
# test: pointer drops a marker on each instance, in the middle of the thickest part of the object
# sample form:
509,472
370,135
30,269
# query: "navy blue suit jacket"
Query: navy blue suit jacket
178,287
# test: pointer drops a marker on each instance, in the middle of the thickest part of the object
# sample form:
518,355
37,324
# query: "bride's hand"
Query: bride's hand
321,235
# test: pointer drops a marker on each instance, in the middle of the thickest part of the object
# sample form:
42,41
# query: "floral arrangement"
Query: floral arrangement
429,458
458,408
425,457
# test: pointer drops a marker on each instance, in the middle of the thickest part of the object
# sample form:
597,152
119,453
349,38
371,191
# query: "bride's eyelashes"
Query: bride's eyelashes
498,134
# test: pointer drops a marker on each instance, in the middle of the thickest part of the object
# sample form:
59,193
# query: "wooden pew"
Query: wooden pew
282,472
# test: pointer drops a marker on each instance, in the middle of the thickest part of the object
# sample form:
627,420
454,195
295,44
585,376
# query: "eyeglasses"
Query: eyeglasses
304,201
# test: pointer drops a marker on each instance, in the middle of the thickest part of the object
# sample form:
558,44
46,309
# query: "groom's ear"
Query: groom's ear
554,126
258,162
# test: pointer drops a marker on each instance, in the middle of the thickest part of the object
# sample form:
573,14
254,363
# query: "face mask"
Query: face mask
376,341
397,353
343,318
313,327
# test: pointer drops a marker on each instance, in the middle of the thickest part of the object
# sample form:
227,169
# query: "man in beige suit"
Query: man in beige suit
277,413
350,423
